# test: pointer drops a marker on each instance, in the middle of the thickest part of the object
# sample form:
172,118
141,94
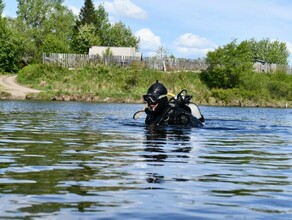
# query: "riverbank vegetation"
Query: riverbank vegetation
229,79
115,84
47,26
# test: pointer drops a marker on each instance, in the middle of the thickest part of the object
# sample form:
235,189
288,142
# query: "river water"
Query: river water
74,160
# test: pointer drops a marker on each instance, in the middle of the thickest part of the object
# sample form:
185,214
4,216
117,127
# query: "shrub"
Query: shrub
226,64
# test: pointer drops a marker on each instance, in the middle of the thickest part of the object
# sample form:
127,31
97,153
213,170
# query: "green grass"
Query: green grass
114,84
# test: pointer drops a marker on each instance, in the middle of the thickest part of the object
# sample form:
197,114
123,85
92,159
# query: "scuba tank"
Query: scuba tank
179,111
183,100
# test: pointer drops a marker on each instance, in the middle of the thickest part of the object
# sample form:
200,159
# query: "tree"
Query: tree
90,23
98,18
87,15
2,5
8,49
60,24
269,51
226,64
162,54
53,44
103,25
86,38
38,18
122,36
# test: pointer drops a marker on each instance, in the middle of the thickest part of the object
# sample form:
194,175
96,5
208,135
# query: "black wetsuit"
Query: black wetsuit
174,115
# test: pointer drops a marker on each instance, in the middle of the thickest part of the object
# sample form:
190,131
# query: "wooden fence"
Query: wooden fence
179,64
270,68
82,60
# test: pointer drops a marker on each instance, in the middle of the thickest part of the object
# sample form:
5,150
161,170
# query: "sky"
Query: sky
191,28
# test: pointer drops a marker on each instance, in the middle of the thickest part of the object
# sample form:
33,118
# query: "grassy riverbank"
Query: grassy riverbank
105,84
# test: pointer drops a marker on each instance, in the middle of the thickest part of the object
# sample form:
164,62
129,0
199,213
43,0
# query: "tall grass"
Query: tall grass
116,84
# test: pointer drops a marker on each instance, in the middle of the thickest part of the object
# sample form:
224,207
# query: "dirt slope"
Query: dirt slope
8,84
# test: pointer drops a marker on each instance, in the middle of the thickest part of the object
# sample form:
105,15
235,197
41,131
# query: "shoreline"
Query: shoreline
116,85
95,99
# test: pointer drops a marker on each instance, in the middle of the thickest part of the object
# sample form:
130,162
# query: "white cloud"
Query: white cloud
289,46
124,8
191,44
74,9
149,42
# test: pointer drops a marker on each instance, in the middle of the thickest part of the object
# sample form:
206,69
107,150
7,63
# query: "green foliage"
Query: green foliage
234,95
2,5
38,19
269,51
52,44
103,25
87,15
229,64
27,50
121,36
280,85
225,65
117,35
103,83
276,85
44,77
116,84
85,39
280,89
48,26
8,49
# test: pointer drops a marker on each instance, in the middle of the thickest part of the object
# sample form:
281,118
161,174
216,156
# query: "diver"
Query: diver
179,110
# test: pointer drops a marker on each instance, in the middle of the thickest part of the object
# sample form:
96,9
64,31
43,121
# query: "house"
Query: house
115,51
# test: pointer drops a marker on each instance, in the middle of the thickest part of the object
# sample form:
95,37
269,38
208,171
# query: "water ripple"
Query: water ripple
83,160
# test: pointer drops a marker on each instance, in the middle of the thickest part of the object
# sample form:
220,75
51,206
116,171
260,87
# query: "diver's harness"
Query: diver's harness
181,102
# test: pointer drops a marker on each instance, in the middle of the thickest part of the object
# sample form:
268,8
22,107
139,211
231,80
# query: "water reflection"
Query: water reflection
165,145
73,161
163,140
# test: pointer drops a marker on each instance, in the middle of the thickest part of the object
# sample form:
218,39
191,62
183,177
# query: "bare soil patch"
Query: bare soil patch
8,84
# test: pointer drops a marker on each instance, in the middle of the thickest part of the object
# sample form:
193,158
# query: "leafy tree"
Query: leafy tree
226,64
53,44
269,51
8,49
8,45
38,18
60,24
122,36
117,35
27,50
102,25
86,38
90,24
35,12
99,18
